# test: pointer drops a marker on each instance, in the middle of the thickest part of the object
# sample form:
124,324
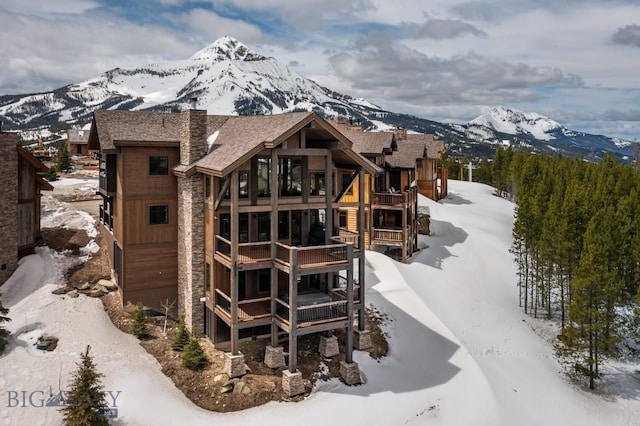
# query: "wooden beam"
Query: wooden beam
274,237
235,234
352,179
225,187
328,191
361,231
293,310
302,152
349,343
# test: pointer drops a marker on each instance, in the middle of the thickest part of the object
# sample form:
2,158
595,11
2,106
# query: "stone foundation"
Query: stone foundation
292,383
234,365
362,340
274,357
350,373
329,346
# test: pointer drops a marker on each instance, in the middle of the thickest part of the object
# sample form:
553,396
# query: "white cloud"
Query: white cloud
209,26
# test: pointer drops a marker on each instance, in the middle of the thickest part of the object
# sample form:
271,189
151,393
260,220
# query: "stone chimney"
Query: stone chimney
191,244
401,133
193,136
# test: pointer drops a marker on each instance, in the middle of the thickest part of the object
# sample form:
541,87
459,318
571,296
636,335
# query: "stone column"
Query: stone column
191,246
8,205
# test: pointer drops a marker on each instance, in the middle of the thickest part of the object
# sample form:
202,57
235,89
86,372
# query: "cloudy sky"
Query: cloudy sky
576,61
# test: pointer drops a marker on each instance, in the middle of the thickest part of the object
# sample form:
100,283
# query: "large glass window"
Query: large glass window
264,176
290,176
158,215
207,277
264,280
244,185
317,184
158,165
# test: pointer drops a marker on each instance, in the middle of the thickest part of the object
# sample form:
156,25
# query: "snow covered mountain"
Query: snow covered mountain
226,77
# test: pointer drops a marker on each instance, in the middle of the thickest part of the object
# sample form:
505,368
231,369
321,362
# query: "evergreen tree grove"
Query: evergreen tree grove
85,398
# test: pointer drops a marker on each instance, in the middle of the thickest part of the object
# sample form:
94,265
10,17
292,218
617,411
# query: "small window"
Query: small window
207,278
158,215
342,219
317,184
207,187
158,165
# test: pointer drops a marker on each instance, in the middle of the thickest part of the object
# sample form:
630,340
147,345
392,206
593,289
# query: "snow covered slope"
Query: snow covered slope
516,122
226,78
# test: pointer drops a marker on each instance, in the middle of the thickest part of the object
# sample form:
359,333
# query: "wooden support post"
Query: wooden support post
235,231
328,183
405,239
293,310
363,226
274,250
349,343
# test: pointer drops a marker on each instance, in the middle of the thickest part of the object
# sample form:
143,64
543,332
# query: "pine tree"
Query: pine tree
182,338
85,399
52,174
593,329
139,327
4,333
64,158
193,356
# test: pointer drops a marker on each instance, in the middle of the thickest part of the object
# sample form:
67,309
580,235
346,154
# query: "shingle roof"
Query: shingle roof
415,146
241,135
435,147
371,142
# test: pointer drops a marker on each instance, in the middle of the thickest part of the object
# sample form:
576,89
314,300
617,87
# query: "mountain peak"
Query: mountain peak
227,48
514,122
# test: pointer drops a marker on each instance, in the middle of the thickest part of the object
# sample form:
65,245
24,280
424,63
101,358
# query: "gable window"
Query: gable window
158,165
291,176
158,215
264,175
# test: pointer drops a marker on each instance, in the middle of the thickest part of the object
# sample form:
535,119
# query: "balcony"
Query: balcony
106,218
384,236
395,200
346,236
248,253
250,310
315,257
313,314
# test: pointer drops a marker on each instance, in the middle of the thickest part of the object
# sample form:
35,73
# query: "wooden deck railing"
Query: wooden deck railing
309,256
223,246
346,236
405,197
321,312
248,310
254,252
391,235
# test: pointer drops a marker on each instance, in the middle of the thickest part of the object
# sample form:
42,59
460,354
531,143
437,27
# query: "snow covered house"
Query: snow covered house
237,217
21,179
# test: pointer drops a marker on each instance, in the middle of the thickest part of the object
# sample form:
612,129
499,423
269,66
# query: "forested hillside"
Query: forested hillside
576,242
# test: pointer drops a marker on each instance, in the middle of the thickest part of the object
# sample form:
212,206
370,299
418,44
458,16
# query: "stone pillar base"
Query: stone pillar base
274,357
292,383
350,373
362,340
234,365
329,346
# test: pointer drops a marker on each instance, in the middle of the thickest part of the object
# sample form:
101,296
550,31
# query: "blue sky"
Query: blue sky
575,61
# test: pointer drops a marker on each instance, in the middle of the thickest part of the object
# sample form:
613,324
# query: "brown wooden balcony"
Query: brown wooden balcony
346,236
315,257
250,310
395,200
312,315
248,253
384,236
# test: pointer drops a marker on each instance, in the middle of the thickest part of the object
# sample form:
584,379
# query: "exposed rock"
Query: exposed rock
108,284
73,294
84,286
220,378
101,288
97,293
62,290
241,388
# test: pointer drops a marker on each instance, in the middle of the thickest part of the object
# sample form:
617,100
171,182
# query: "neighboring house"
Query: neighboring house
78,141
410,163
236,217
21,177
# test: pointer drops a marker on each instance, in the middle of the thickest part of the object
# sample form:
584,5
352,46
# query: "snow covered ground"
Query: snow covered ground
461,351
